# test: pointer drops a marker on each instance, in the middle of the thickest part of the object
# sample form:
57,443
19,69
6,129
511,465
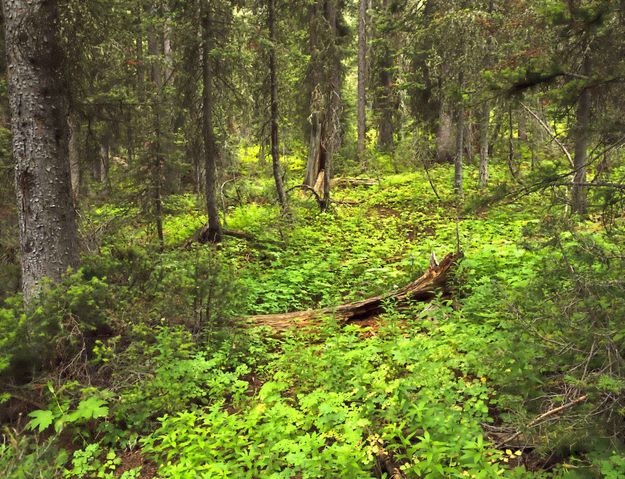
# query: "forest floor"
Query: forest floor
459,386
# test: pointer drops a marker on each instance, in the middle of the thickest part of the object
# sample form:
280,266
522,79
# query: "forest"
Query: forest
274,239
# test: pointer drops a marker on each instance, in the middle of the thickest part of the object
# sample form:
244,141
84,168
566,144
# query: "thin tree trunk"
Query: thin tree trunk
458,159
275,153
325,98
74,156
214,232
578,193
139,59
105,165
362,75
39,109
156,155
484,130
444,134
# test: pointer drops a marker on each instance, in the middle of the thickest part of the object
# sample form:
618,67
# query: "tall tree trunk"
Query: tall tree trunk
444,134
578,193
39,109
484,140
156,153
105,161
275,154
325,96
362,75
458,159
214,231
385,102
139,59
74,155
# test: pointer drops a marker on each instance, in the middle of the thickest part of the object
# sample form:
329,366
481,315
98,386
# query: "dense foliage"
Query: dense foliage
493,128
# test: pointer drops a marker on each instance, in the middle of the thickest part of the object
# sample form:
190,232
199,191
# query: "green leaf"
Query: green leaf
91,408
41,419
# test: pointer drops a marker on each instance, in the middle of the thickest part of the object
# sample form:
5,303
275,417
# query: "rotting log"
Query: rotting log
348,182
201,236
422,289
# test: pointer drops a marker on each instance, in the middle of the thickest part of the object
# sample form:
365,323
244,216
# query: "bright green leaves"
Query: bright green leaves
90,408
41,419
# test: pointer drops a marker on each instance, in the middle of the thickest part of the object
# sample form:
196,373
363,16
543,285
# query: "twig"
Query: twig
307,188
550,133
545,415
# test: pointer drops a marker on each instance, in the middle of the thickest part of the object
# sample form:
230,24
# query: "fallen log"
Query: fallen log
422,289
349,182
200,236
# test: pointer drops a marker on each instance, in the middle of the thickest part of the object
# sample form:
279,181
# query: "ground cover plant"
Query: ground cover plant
312,239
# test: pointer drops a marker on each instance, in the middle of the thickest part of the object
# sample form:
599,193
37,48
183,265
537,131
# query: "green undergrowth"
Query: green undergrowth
158,366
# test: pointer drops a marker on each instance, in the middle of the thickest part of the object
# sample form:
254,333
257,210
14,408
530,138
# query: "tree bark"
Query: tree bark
444,135
39,108
156,155
385,102
458,159
362,75
74,156
105,161
325,96
484,141
275,153
578,192
214,232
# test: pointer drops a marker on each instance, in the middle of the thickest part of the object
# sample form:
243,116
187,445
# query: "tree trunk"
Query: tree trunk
325,96
156,153
214,231
74,156
484,141
362,75
458,159
275,153
444,135
39,109
578,193
105,161
139,59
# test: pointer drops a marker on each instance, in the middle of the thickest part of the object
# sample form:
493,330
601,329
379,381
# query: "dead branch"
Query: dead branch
545,415
553,136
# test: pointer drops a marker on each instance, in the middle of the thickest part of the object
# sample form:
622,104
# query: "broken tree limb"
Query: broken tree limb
422,289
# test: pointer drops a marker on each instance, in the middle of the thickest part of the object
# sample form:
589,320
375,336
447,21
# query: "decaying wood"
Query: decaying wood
348,182
201,236
422,289
390,467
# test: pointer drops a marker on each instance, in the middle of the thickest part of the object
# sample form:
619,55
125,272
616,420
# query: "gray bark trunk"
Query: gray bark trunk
362,75
458,159
39,109
484,141
105,165
578,193
74,156
156,153
444,135
325,96
275,154
214,232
